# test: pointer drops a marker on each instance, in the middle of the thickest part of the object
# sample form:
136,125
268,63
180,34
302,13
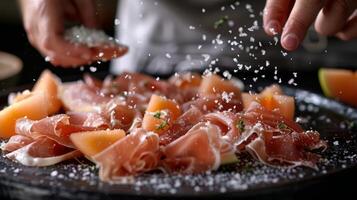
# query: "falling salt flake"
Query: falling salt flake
249,8
92,69
284,53
168,55
232,7
101,54
206,57
291,81
116,22
203,10
295,74
54,173
192,27
199,47
204,37
267,63
252,39
17,170
336,143
47,59
223,8
276,40
263,52
227,75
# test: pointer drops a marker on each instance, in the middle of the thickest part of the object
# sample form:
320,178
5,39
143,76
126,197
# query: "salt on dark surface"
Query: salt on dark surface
79,176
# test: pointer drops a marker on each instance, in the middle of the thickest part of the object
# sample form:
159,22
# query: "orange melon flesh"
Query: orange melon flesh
160,104
31,107
93,142
48,83
247,99
214,84
339,84
272,99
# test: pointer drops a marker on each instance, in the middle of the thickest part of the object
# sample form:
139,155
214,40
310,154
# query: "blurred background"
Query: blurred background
316,52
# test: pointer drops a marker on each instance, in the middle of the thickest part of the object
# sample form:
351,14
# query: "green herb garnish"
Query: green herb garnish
157,115
241,126
282,126
220,22
162,125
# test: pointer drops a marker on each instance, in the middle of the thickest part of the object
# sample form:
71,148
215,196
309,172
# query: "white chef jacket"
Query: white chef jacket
166,36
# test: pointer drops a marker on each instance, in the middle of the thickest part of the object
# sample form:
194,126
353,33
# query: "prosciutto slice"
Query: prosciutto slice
197,151
59,127
80,97
138,152
276,144
16,142
180,127
41,152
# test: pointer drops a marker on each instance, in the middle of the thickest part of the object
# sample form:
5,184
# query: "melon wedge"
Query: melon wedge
340,84
93,142
48,83
31,107
160,114
214,84
273,99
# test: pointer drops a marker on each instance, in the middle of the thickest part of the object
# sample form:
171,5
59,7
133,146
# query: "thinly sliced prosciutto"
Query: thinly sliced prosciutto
197,151
59,127
43,151
138,152
275,140
192,125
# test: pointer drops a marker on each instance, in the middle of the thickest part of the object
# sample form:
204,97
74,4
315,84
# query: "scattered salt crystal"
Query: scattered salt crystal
54,173
203,10
87,36
92,69
336,143
47,59
116,22
192,27
168,55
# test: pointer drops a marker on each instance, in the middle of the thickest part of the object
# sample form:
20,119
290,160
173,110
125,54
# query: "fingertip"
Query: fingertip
273,28
290,41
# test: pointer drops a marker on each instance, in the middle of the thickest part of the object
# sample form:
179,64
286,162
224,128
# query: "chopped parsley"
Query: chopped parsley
282,126
162,125
157,115
220,22
240,125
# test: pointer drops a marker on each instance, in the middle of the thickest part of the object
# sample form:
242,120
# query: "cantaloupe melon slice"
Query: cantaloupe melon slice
340,84
160,113
93,142
48,83
272,98
31,107
214,84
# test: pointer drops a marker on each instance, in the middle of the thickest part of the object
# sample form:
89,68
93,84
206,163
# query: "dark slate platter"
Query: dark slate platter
77,179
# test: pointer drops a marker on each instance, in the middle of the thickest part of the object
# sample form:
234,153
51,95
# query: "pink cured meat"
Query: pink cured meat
138,152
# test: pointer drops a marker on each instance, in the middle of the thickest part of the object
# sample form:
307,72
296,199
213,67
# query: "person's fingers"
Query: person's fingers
275,15
87,12
66,61
349,32
302,16
109,52
333,17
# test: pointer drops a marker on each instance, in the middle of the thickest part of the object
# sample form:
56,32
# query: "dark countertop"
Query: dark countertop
13,40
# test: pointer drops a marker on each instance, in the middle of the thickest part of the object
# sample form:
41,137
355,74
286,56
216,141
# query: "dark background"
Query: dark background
339,54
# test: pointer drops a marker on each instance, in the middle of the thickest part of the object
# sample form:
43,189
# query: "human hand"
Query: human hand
292,19
44,23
